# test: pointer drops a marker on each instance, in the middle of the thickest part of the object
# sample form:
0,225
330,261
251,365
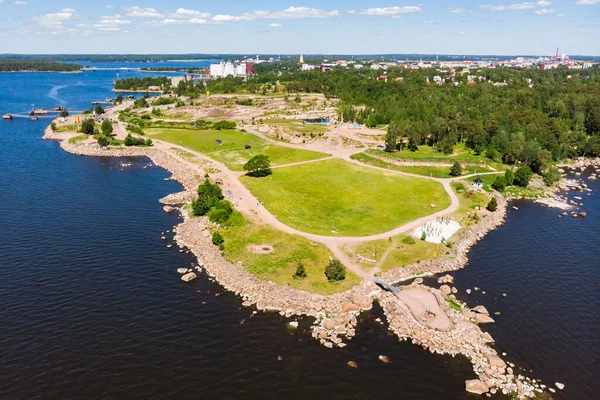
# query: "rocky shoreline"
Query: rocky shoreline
336,315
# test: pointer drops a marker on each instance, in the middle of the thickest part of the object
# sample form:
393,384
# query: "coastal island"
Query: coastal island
306,198
37,66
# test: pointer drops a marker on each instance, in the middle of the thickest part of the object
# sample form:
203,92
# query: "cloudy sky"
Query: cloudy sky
309,26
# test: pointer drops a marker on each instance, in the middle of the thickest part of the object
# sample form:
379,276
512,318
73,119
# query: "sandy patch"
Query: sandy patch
438,230
260,249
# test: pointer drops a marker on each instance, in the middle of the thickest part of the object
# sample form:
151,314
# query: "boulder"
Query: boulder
168,209
329,324
352,364
559,385
347,306
483,319
495,361
476,386
293,324
487,337
384,359
481,310
188,277
445,289
182,271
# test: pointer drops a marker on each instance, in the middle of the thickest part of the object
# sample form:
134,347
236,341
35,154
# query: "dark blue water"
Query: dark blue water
92,306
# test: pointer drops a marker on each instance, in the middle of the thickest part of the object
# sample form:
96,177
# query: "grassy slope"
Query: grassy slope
232,152
436,172
360,201
296,126
430,154
280,265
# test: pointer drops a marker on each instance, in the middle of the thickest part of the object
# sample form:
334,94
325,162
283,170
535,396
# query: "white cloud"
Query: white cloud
183,13
111,24
176,21
140,12
1,1
387,11
276,26
20,3
519,6
588,2
545,11
544,3
458,10
55,20
560,15
289,13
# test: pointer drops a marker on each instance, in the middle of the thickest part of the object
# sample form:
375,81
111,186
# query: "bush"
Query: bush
500,183
523,176
53,126
98,110
217,239
133,141
103,141
408,240
460,187
106,128
300,271
140,103
87,127
456,169
551,176
64,113
423,236
244,102
335,271
510,177
492,205
223,125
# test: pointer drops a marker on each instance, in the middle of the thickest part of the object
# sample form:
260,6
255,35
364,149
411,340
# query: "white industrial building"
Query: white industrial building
225,69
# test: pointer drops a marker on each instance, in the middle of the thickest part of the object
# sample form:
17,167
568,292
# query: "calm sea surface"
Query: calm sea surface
91,305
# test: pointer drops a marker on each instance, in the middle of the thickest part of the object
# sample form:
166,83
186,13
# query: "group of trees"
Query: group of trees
137,141
212,203
37,66
520,178
146,83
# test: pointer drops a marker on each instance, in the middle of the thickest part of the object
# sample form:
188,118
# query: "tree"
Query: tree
523,176
423,236
99,110
492,205
217,239
119,99
64,113
53,126
335,271
456,169
87,127
551,176
258,166
106,127
103,141
300,271
509,177
391,138
500,183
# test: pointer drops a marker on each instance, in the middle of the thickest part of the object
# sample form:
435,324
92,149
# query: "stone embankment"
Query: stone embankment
457,257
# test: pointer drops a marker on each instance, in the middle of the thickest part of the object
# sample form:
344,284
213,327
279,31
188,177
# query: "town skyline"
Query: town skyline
470,27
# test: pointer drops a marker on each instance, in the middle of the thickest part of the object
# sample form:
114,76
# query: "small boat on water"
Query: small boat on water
107,100
7,116
34,118
59,108
95,103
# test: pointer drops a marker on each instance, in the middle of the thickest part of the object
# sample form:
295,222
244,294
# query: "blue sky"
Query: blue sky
309,26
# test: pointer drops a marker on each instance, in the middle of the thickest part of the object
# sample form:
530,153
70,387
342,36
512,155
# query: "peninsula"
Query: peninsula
305,198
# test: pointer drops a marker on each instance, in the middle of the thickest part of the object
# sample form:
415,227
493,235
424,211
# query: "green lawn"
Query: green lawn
280,265
355,200
435,172
429,154
296,125
232,152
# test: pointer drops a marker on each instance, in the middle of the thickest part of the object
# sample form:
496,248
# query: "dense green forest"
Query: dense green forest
537,117
38,66
162,82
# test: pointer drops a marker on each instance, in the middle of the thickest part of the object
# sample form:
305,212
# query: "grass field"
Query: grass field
430,154
435,172
232,152
355,200
296,125
280,265
396,254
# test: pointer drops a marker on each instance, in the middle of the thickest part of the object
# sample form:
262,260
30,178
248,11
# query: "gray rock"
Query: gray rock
188,277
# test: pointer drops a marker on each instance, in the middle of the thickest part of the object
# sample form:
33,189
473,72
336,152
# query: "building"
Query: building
225,69
478,182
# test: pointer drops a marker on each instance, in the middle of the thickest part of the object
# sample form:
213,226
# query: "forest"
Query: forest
146,83
37,66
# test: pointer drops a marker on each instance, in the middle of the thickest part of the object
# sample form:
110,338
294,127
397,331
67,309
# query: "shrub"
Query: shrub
64,113
106,128
408,240
221,125
335,271
453,305
423,236
510,177
98,110
456,169
140,103
53,126
551,176
523,176
500,183
492,205
460,187
133,141
103,141
87,127
300,271
217,239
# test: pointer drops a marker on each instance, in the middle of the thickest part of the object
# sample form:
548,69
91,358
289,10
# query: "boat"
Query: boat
34,118
95,103
7,116
59,108
107,100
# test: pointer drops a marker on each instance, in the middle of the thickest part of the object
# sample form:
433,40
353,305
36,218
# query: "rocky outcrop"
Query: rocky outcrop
189,277
476,386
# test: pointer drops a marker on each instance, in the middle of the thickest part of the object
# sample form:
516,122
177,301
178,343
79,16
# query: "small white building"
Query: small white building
224,69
